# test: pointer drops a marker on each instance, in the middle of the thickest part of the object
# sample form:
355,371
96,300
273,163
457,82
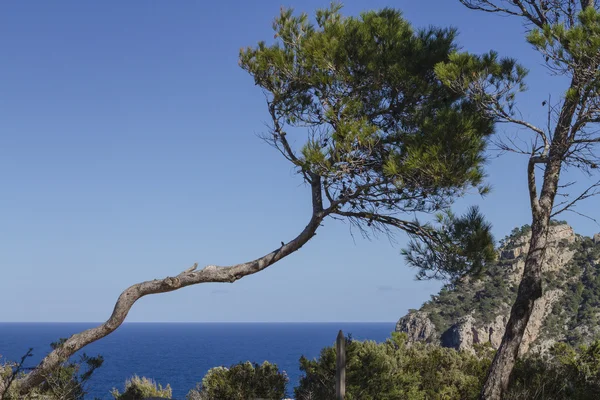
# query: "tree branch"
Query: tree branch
589,192
6,382
488,6
538,131
595,140
533,196
410,227
520,11
188,277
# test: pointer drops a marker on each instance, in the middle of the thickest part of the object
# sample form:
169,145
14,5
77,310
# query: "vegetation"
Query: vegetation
394,370
240,382
391,370
377,138
564,373
67,381
461,246
485,298
395,121
566,34
137,388
573,320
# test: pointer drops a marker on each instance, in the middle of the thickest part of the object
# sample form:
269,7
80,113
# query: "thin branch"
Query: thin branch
540,132
585,216
589,192
281,135
488,6
410,227
595,140
6,384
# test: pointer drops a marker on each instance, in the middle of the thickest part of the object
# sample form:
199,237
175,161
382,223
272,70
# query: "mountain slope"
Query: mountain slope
475,312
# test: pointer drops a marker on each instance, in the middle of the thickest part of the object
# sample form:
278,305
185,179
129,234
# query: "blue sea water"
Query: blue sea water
181,353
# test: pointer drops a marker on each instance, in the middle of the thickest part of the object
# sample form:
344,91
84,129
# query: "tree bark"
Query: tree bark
530,287
188,277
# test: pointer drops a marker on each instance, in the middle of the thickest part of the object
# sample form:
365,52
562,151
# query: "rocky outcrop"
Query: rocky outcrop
597,238
541,309
467,332
491,299
418,326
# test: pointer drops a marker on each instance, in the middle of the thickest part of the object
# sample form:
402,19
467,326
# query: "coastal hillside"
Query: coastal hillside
476,311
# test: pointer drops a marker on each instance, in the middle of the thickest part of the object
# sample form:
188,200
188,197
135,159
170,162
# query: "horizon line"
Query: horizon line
201,322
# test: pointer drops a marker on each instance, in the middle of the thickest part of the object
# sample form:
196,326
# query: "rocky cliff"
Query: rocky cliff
473,312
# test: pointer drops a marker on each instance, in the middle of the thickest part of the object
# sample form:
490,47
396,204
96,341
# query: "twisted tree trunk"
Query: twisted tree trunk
530,288
188,277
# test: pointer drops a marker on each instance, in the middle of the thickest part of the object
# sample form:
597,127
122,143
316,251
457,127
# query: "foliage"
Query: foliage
384,135
139,388
240,382
68,380
573,319
65,382
9,372
394,370
564,373
485,298
567,34
462,246
512,239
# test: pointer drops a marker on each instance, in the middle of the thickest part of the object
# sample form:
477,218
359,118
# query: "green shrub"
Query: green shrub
240,382
65,382
564,373
394,370
138,388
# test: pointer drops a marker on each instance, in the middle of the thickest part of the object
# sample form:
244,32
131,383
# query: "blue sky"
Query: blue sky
129,151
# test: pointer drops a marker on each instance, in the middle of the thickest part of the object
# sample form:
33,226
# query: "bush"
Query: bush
65,382
240,382
563,373
138,388
394,370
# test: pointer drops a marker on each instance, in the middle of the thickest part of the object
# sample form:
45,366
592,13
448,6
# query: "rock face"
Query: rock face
418,326
465,333
476,312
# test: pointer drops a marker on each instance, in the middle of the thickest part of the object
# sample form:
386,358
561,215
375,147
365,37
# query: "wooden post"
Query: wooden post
340,372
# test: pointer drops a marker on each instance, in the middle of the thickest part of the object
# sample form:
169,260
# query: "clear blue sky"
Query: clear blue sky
129,151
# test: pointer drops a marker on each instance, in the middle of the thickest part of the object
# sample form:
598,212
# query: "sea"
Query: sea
180,354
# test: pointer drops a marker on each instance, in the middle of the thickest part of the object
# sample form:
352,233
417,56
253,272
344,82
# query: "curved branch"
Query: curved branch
538,131
188,277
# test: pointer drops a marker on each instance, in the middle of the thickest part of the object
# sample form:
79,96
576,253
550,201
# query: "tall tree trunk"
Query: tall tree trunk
530,289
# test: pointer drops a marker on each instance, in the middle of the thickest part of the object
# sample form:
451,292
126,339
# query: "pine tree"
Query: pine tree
356,107
566,33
